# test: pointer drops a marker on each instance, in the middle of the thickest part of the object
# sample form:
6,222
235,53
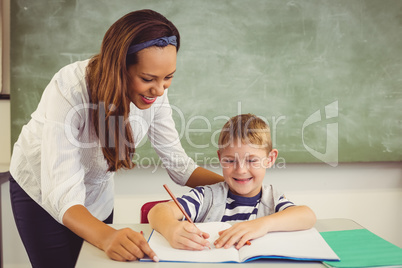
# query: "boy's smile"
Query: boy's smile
243,180
244,166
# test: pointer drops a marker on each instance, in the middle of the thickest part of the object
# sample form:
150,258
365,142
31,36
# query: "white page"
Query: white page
307,244
165,252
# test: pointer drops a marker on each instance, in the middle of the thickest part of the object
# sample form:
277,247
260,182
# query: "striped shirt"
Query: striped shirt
238,208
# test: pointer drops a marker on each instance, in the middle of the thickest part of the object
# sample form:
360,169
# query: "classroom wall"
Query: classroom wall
5,140
5,119
368,193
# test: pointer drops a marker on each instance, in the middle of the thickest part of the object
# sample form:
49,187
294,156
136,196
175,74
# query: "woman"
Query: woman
90,118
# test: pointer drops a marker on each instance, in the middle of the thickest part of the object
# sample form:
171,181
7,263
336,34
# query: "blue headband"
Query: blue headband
160,42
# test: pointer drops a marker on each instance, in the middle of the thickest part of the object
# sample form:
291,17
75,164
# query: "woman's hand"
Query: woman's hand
127,245
185,235
120,245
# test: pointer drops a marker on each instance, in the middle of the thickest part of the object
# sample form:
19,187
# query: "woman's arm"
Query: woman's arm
121,245
202,176
166,142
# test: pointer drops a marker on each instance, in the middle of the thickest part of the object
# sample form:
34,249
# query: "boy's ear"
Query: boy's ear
271,158
219,155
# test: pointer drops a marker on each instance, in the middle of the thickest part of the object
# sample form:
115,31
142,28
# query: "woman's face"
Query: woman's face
151,75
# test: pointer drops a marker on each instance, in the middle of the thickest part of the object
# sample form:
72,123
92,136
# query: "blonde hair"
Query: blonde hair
247,128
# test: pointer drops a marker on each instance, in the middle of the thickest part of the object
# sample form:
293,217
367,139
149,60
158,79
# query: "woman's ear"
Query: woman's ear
270,160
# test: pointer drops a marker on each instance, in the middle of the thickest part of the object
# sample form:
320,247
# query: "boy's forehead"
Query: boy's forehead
237,147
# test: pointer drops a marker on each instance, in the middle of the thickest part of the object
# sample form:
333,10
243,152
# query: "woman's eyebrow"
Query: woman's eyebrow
155,76
151,75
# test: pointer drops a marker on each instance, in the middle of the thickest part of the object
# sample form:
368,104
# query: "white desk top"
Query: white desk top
91,256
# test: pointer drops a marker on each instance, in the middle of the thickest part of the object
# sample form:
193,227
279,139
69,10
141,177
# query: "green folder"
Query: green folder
362,248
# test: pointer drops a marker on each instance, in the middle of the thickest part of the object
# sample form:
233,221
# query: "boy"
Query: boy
245,152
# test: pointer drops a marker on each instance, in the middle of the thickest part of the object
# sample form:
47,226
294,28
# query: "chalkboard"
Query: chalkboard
326,75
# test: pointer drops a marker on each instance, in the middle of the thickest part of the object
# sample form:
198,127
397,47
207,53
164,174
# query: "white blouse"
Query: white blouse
58,160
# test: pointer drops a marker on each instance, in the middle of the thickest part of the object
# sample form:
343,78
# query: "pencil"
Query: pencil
180,207
178,204
183,211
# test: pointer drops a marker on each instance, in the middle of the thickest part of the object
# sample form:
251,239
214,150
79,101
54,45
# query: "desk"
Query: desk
90,256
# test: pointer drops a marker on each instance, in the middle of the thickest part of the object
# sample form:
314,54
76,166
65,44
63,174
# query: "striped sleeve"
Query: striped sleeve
282,203
192,202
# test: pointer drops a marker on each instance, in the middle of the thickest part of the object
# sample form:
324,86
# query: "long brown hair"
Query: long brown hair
108,80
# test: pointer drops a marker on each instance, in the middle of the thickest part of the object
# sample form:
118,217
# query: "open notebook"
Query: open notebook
305,245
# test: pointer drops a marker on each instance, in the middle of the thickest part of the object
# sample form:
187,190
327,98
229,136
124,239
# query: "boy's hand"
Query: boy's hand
185,235
239,234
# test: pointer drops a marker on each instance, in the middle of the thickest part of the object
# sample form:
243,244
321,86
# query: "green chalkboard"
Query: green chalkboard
326,75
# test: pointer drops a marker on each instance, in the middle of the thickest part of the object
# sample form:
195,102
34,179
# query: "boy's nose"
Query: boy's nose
241,167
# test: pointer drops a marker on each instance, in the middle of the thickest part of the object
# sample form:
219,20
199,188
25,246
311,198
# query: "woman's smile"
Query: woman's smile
152,75
148,100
